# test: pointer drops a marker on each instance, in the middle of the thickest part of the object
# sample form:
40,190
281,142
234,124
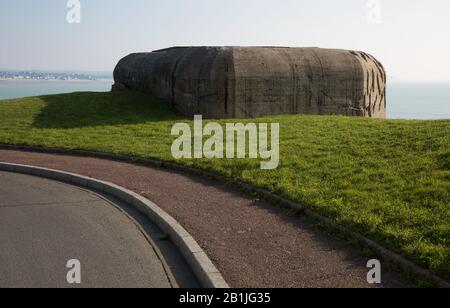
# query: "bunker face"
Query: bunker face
246,82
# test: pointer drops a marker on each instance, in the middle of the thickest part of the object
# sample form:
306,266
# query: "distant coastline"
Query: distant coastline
54,76
56,80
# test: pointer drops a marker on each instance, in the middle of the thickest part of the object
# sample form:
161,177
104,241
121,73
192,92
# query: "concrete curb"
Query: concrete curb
203,268
383,252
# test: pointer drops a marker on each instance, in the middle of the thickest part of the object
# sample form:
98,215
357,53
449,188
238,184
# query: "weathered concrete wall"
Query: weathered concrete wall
245,82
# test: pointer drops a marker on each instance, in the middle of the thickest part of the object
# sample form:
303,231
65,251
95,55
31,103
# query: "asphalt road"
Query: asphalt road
44,224
253,244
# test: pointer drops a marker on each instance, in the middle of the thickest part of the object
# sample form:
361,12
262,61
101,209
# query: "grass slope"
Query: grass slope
387,179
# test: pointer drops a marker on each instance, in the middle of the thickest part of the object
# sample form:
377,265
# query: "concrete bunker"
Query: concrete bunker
248,82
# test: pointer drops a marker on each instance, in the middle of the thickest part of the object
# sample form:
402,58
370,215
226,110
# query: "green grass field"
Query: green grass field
386,179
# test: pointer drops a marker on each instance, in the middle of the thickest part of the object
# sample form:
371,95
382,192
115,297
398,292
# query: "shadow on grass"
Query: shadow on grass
444,160
90,109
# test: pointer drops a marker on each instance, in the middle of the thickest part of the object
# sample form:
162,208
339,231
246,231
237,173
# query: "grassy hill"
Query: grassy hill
386,179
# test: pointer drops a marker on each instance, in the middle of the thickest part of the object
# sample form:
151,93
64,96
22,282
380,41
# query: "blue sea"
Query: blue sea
418,100
406,100
22,88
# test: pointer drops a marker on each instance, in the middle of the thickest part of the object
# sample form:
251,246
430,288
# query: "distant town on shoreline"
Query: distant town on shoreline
58,76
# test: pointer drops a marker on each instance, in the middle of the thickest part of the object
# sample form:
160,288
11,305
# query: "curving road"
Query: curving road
44,223
253,244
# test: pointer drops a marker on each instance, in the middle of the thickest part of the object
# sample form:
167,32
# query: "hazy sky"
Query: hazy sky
412,39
